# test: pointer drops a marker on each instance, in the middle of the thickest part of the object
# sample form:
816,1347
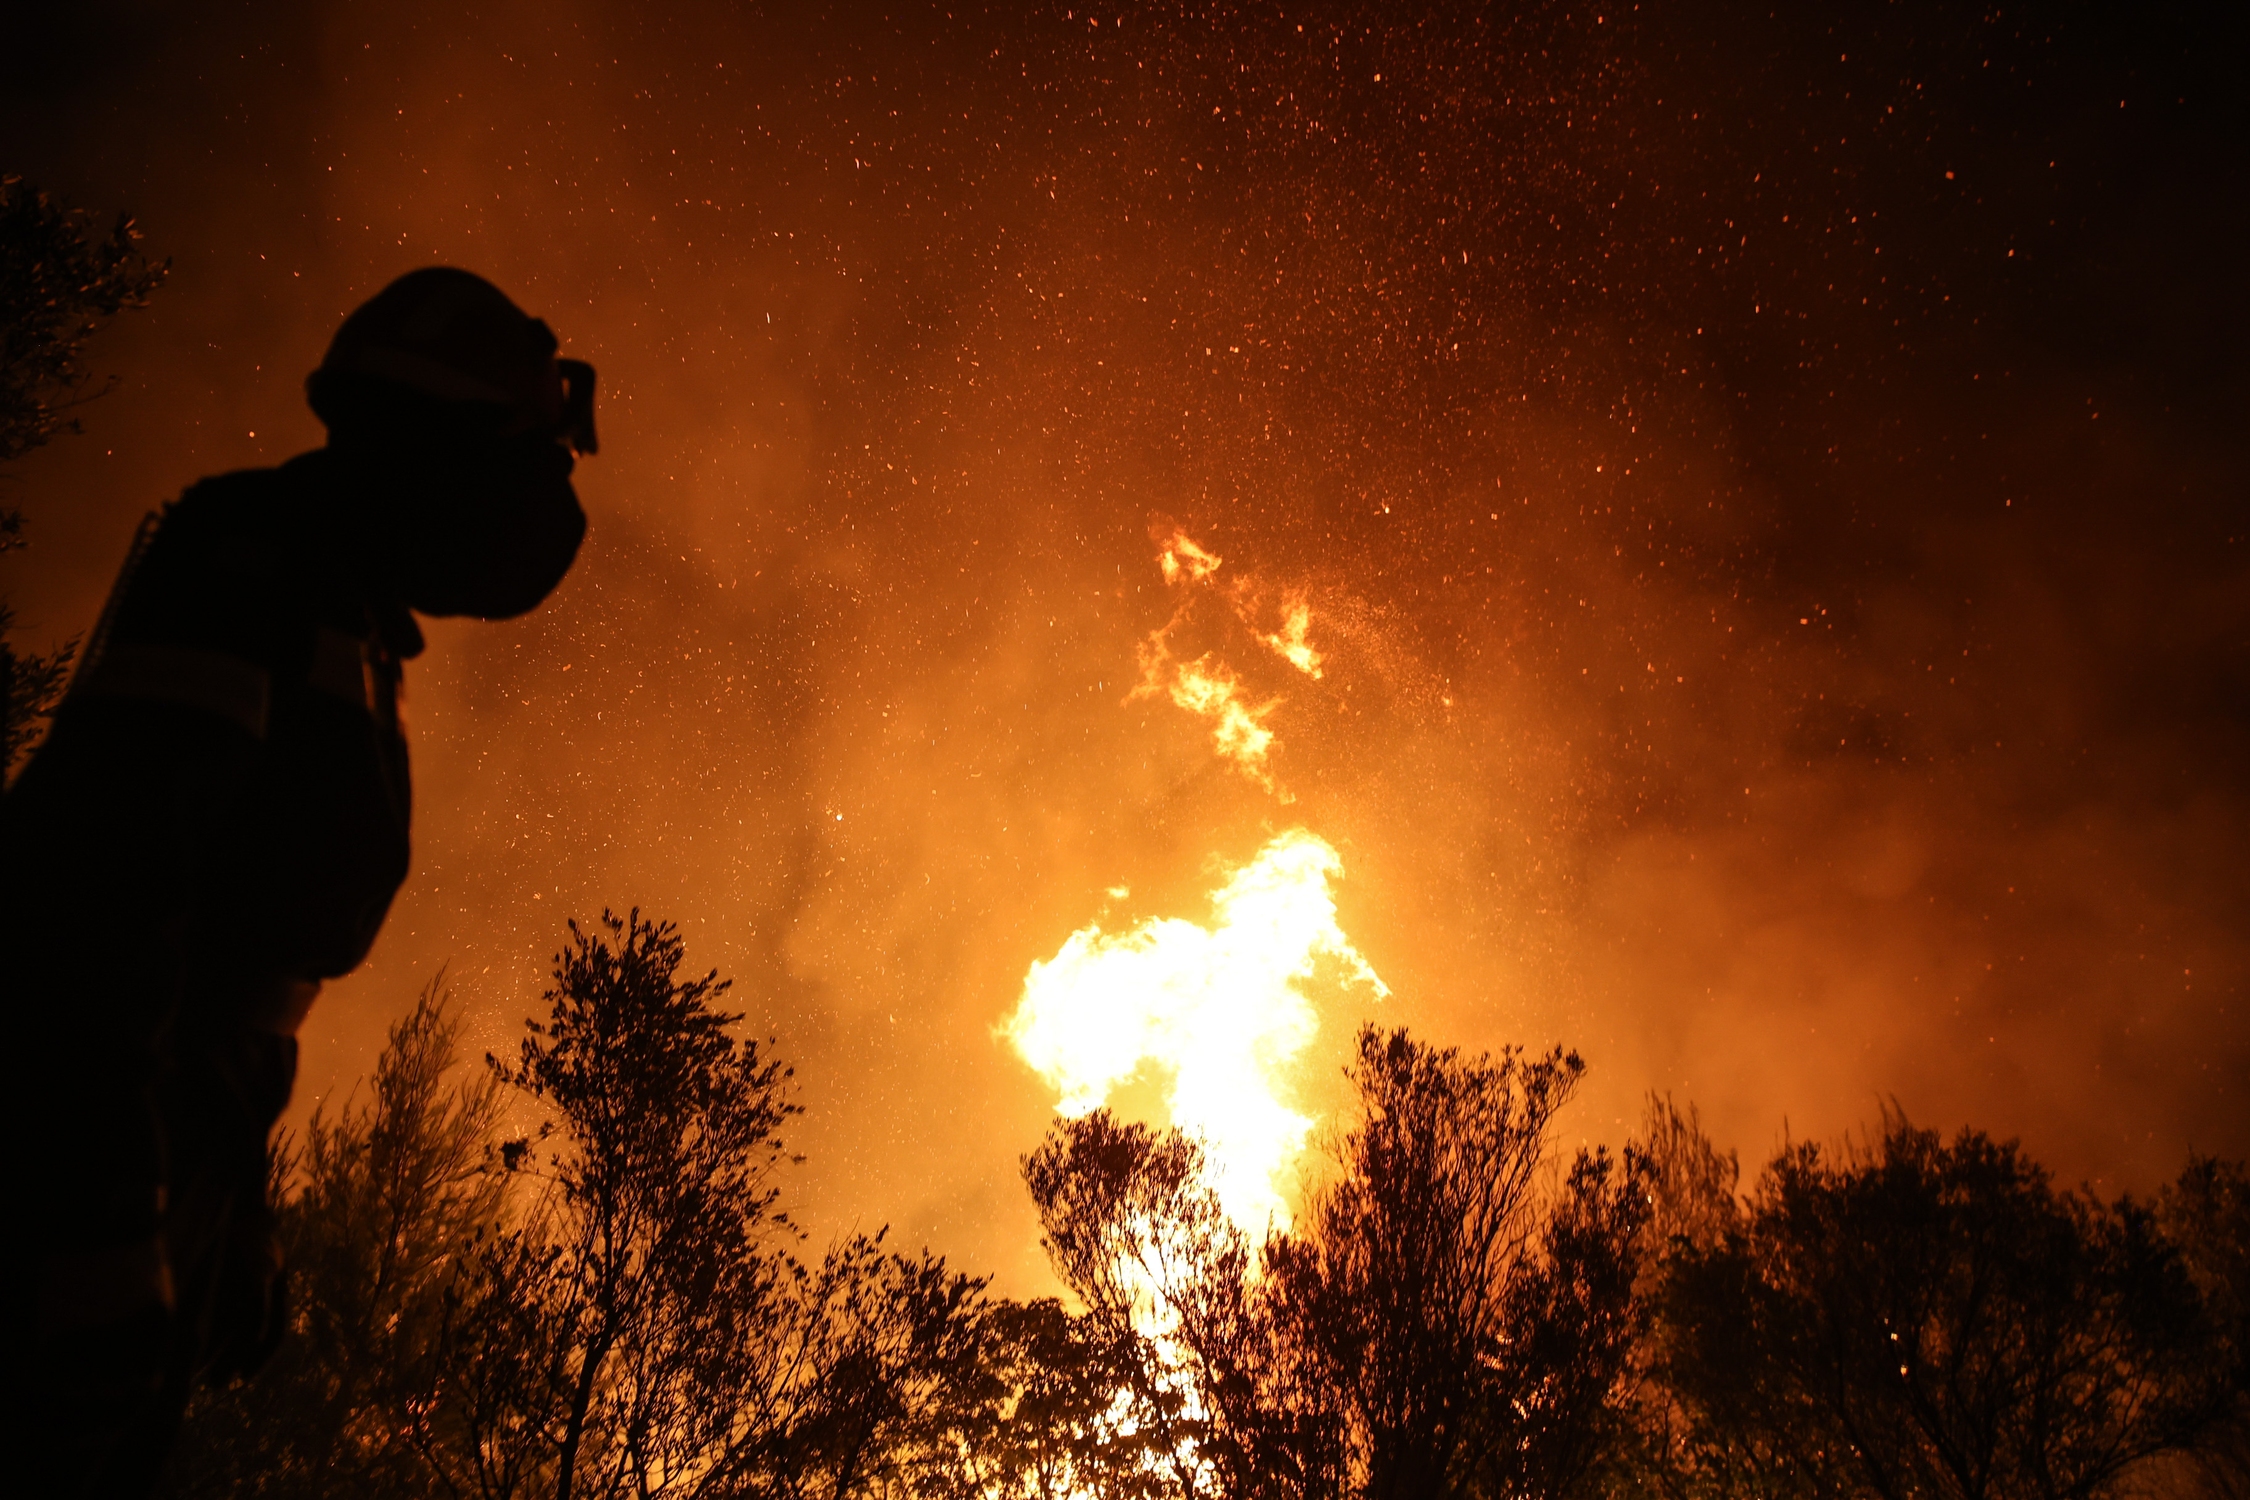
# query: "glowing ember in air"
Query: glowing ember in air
1223,1009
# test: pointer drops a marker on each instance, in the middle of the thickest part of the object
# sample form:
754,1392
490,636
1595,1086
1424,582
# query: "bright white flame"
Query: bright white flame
1222,1008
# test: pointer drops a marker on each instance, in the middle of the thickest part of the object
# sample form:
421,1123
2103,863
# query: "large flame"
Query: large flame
1223,1009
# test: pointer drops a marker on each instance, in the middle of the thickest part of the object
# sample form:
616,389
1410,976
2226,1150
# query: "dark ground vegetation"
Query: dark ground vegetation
615,1303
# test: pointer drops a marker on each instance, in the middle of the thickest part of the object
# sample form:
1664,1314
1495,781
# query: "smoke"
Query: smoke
1766,492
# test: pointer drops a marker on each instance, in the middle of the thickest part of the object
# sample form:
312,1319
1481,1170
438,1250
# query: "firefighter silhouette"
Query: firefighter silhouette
216,824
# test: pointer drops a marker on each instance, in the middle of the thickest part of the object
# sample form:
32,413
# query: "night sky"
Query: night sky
1773,491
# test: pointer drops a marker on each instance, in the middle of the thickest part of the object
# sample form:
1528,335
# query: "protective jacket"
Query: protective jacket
217,821
246,624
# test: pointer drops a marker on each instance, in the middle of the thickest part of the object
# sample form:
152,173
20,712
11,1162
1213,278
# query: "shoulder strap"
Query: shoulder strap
189,676
97,641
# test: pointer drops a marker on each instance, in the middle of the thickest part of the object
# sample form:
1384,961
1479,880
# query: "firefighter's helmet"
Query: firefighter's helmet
452,338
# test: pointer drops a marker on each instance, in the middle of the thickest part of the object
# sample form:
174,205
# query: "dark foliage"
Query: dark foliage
387,1196
2206,1213
1550,1414
1473,1323
644,1328
614,1305
61,278
611,1306
31,682
1933,1319
1133,1231
1040,1430
1444,1320
647,1272
1399,1276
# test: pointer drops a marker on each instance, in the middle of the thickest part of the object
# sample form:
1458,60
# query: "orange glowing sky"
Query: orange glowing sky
1768,497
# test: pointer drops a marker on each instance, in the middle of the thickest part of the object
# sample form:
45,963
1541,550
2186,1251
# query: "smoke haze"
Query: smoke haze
1770,494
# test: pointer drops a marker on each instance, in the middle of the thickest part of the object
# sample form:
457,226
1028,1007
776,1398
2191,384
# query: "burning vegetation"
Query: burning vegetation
1704,533
617,1303
1223,1012
1425,1299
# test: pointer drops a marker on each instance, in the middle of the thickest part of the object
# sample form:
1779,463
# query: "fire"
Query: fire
1181,559
1290,642
1206,687
1223,1008
1209,690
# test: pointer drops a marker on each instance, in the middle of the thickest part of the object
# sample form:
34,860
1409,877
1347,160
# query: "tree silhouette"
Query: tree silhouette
600,1348
61,278
610,1301
615,1304
1558,1399
1444,1320
1133,1232
387,1196
1032,1420
644,1328
1933,1319
1474,1326
2206,1213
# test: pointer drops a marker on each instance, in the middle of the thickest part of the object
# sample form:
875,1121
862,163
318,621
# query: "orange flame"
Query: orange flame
1224,1009
1208,688
1290,643
1182,558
